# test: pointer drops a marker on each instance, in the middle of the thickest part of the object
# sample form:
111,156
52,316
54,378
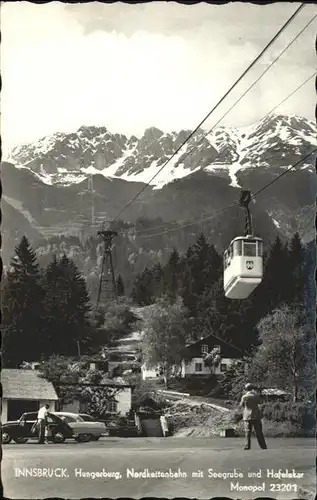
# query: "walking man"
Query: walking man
42,423
252,416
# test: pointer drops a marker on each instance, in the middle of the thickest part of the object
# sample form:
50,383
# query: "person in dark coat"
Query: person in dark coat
252,416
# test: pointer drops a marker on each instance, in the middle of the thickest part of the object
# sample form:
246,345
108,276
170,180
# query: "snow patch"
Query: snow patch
272,130
70,178
18,206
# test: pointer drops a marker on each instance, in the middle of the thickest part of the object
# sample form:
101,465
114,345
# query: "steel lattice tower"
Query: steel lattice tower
245,200
107,284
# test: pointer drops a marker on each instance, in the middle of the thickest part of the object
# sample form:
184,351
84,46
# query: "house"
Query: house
123,360
195,352
149,373
99,364
119,358
24,391
156,372
31,365
121,401
89,363
119,404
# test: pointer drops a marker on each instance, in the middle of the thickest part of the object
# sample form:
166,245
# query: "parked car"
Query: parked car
89,418
20,430
122,427
84,424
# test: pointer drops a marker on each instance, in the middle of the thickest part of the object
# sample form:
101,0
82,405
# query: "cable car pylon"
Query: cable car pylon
243,259
107,290
245,200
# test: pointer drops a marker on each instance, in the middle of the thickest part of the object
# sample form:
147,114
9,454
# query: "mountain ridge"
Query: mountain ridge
66,158
44,199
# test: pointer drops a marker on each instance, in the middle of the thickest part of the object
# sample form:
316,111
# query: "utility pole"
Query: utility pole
107,284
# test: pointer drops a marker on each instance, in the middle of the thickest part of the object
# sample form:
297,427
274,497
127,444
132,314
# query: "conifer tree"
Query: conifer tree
148,285
120,285
157,287
296,263
22,313
275,287
172,274
67,306
203,268
309,267
142,292
187,280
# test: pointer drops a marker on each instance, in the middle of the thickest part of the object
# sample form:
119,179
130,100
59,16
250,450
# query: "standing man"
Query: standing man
42,423
252,416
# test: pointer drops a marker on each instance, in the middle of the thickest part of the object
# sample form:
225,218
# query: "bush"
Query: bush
232,383
300,415
196,386
145,390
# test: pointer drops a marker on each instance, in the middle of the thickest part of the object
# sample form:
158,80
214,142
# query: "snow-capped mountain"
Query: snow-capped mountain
65,159
69,183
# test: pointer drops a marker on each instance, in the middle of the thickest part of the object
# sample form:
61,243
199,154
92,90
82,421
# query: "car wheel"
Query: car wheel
95,438
58,437
20,440
83,438
5,437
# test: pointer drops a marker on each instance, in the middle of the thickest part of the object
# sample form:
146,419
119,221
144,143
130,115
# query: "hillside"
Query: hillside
67,184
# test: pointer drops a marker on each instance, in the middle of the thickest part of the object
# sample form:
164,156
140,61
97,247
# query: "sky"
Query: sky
161,64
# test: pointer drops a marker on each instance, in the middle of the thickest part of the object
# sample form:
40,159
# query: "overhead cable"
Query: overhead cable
292,17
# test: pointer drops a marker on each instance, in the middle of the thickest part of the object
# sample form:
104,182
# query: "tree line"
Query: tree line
48,311
273,328
197,278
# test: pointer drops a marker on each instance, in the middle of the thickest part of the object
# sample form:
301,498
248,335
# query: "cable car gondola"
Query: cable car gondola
243,267
243,260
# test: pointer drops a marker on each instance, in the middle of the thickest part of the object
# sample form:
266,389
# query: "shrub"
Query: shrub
146,390
300,415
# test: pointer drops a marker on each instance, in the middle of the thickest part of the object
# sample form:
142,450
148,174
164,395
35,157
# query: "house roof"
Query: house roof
88,359
26,384
115,382
227,350
104,382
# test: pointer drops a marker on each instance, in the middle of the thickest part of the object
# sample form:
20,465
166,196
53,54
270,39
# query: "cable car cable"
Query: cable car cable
240,98
290,95
283,173
227,148
292,17
222,152
248,90
210,217
266,70
230,206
